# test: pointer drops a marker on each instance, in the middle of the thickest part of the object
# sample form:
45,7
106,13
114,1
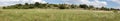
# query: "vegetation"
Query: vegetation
57,15
69,12
115,11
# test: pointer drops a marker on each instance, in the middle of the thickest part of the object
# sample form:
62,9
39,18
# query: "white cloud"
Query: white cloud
33,1
7,0
117,7
11,2
117,1
41,1
95,2
98,3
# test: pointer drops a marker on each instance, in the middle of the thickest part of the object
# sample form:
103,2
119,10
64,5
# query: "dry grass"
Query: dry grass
56,15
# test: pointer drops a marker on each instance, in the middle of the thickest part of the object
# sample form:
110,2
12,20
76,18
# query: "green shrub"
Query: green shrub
115,11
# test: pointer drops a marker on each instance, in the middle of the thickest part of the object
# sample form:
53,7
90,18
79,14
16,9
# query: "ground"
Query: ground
57,15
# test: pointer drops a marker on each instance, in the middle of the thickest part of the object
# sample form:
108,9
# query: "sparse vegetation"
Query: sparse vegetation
0,11
115,11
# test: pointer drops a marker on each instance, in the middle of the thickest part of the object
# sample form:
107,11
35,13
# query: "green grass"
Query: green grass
56,15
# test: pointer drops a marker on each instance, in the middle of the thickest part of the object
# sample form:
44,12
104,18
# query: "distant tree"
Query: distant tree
102,8
26,4
62,6
31,7
4,7
91,7
37,4
73,6
55,5
44,5
83,6
112,9
19,4
97,8
67,6
118,9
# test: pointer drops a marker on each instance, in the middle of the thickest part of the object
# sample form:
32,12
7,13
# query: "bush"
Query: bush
61,7
115,11
4,7
84,6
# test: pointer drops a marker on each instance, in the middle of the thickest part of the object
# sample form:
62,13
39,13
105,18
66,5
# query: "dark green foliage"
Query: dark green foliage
104,8
74,6
91,7
19,4
112,9
4,7
83,6
31,7
62,6
26,4
37,4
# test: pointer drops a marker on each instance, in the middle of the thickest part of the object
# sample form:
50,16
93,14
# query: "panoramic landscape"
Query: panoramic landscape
59,10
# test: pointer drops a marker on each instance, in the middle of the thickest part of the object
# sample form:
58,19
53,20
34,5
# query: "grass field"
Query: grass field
57,15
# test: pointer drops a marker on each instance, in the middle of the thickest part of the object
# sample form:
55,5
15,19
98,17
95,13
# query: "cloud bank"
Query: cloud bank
96,3
12,2
117,1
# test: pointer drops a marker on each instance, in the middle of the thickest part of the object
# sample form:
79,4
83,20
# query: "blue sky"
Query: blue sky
97,3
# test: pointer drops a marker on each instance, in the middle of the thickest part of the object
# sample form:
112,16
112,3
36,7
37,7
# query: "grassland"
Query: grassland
57,15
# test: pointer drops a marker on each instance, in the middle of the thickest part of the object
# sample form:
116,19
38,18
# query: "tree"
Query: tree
37,4
102,8
4,7
62,6
73,6
91,7
31,7
118,9
83,6
26,4
19,4
44,5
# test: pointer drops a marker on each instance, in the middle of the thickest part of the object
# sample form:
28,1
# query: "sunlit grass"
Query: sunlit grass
56,15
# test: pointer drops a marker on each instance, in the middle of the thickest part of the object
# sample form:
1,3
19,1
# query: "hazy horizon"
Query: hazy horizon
97,3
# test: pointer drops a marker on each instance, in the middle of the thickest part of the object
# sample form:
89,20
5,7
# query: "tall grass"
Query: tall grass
56,15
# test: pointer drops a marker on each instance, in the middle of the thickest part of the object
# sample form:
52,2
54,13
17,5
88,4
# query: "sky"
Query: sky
96,3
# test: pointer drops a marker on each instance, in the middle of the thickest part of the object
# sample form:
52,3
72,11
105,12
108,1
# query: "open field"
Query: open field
57,15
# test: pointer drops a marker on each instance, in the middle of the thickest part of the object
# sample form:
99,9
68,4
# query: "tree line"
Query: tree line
56,6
